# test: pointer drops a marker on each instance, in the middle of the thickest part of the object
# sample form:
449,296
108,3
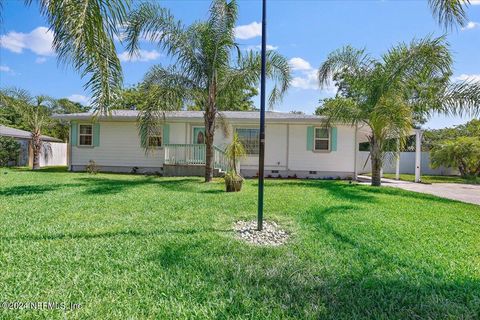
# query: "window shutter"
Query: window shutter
96,134
334,139
73,133
310,138
166,134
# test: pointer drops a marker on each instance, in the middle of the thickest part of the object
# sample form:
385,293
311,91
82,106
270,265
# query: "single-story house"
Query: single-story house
53,152
296,144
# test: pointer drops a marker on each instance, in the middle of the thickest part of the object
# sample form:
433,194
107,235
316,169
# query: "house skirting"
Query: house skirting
199,171
301,174
120,169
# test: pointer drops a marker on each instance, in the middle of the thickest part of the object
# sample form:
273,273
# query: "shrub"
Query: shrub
9,150
462,153
92,167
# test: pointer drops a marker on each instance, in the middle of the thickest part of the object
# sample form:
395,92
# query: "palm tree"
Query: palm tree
450,12
83,33
209,66
35,113
391,94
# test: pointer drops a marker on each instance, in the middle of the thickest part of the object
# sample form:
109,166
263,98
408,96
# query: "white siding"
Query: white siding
119,146
299,158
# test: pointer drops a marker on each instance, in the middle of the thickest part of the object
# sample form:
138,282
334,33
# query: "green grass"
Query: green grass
433,179
136,247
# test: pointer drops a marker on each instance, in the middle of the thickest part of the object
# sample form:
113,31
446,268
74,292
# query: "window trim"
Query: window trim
249,127
329,139
79,144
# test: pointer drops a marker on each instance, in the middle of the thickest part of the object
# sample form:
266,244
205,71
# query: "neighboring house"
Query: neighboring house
296,145
53,152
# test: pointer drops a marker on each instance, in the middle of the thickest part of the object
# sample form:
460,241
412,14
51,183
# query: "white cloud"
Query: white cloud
142,55
39,41
7,69
299,64
475,2
248,31
467,77
40,60
79,98
306,77
259,47
308,80
471,25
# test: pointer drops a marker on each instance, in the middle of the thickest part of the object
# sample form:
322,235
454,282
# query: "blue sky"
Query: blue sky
303,31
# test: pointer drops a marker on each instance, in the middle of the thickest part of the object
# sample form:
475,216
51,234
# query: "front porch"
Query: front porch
190,160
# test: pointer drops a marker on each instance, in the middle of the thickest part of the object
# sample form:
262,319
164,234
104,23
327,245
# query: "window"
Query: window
86,135
250,139
322,139
155,140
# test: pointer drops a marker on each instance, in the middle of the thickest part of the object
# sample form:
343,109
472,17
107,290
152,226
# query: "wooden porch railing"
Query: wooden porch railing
193,154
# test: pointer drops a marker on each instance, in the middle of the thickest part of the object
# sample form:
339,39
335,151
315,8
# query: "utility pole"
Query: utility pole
261,156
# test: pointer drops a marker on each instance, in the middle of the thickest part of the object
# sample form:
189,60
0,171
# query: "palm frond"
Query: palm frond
342,60
83,35
460,98
449,12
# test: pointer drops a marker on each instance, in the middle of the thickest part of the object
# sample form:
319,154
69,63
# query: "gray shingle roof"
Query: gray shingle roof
196,115
22,134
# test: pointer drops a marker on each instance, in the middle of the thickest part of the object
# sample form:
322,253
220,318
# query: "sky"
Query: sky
305,32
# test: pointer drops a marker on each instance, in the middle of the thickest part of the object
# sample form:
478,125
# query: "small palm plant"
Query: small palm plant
235,150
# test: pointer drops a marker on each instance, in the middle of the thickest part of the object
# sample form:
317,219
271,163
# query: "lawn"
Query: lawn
136,247
433,179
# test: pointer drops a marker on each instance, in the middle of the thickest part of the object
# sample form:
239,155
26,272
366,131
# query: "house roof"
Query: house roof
131,115
22,134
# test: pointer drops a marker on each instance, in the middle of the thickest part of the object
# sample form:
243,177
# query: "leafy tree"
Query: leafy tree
9,150
434,137
388,94
462,153
205,72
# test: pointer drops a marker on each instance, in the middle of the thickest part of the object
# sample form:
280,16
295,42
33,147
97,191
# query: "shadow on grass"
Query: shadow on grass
99,186
33,189
111,234
295,287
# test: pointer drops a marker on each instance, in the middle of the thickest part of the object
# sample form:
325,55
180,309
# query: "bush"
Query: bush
9,150
462,153
92,167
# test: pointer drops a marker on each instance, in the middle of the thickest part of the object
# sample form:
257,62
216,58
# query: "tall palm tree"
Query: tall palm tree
35,113
209,66
408,83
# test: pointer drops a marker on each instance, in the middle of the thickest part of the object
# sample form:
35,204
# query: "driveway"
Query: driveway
455,191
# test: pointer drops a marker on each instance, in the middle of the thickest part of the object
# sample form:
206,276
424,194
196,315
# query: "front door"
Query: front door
199,142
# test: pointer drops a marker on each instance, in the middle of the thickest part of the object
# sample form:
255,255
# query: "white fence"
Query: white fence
53,154
407,164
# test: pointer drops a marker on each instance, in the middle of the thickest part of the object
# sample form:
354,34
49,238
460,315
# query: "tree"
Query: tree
35,113
450,12
9,150
388,94
433,138
83,33
205,72
461,152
